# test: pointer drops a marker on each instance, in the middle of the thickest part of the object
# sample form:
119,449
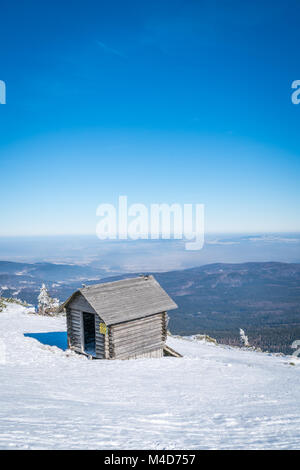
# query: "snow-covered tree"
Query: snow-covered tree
244,338
46,304
43,298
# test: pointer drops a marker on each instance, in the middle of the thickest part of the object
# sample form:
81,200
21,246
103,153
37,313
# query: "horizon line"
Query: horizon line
210,233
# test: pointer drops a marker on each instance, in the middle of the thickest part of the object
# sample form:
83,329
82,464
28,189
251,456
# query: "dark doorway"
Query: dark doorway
89,333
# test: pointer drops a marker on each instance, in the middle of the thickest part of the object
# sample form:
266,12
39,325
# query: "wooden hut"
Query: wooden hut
119,320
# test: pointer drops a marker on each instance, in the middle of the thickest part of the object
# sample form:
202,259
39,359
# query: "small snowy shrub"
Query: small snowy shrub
244,339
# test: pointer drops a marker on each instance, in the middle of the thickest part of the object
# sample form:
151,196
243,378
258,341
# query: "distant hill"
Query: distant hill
217,299
23,280
51,271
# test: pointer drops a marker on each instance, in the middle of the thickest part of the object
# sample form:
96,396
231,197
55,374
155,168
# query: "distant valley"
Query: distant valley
217,299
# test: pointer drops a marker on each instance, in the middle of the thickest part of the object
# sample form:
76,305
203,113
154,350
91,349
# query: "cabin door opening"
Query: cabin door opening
89,333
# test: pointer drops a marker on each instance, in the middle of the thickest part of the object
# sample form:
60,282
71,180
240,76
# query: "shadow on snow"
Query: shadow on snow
53,338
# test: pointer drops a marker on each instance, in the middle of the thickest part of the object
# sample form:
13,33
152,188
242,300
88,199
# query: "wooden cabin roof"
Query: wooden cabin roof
125,300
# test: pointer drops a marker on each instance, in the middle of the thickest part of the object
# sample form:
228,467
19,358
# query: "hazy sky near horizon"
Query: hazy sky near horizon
163,101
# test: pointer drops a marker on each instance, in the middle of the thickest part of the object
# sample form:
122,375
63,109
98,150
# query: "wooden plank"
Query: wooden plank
76,316
156,353
132,328
131,335
128,333
75,334
138,338
136,348
139,321
75,329
126,355
137,330
171,352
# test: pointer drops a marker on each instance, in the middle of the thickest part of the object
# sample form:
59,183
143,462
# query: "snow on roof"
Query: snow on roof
126,300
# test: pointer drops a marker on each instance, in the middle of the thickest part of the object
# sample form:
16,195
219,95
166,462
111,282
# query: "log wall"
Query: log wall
139,338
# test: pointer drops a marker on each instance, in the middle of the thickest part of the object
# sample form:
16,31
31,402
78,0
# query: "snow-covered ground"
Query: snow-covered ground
215,397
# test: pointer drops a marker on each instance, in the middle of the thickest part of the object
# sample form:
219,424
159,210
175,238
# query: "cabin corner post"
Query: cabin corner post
108,344
165,326
69,328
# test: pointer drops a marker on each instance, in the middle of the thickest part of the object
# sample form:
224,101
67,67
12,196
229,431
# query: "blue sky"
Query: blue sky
162,101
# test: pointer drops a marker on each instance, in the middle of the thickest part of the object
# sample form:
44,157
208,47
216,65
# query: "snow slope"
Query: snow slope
215,397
